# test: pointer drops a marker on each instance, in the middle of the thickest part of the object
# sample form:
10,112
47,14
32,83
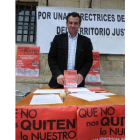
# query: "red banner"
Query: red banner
101,122
46,123
93,76
27,61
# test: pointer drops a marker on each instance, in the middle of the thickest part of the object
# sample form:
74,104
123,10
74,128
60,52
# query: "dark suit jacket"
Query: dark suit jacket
58,57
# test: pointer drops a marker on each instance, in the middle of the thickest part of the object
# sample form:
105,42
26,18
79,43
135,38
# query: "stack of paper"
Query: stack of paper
89,96
105,93
46,99
78,89
49,91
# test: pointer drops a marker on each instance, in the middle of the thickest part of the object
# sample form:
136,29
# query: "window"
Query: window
26,22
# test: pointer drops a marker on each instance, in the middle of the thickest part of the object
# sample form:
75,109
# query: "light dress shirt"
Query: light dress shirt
72,45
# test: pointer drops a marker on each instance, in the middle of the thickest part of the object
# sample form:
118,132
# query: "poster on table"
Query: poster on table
27,61
93,76
46,123
105,27
105,122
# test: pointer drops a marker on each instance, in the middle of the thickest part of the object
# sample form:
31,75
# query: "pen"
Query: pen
100,91
63,99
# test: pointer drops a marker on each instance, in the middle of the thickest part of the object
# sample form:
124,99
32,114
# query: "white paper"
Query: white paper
86,92
105,93
78,89
46,99
89,96
49,91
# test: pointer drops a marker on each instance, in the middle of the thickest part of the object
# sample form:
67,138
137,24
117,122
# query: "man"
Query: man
70,51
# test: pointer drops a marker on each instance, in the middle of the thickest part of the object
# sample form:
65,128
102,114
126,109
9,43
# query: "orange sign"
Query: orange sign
101,122
27,61
46,123
93,76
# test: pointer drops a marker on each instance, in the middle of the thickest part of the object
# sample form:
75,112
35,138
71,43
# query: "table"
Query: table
72,101
75,119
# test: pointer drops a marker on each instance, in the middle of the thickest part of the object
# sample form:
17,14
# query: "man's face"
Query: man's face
73,25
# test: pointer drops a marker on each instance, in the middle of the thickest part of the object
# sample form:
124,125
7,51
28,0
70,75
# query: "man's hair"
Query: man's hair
73,14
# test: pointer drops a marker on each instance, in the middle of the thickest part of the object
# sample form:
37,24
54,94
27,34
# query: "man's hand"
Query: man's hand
61,80
79,79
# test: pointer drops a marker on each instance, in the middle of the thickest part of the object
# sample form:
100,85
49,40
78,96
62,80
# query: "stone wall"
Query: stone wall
112,66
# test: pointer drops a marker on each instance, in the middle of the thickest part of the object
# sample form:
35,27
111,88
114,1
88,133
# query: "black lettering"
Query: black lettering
58,30
63,30
113,18
16,112
60,123
105,17
107,111
92,29
120,18
105,121
107,31
114,32
31,113
54,136
16,125
69,123
117,131
49,136
42,136
39,15
117,32
101,31
85,31
122,32
115,122
26,125
82,16
64,17
96,31
109,17
72,134
122,121
44,124
88,124
51,123
81,31
59,135
86,16
90,15
93,123
65,135
35,125
123,18
44,15
54,15
49,15
94,15
60,15
98,17
82,113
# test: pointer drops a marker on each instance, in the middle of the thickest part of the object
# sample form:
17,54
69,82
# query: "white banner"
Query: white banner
105,28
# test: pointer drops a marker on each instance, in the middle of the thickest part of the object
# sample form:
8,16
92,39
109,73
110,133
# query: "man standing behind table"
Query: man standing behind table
70,51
